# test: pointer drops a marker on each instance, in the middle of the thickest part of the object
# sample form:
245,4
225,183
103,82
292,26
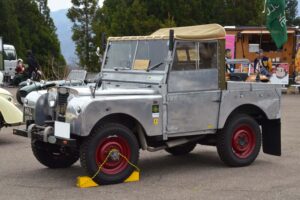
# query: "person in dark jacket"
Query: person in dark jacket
33,66
262,64
229,68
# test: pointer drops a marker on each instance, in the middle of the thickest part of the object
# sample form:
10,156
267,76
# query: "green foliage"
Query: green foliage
291,12
82,15
297,21
140,17
27,25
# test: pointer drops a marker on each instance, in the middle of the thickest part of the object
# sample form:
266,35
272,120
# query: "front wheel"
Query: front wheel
18,96
54,156
106,152
239,143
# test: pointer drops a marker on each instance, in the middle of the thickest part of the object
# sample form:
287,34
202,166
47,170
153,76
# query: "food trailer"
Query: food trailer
247,42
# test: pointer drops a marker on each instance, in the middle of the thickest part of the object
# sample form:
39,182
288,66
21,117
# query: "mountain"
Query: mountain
64,32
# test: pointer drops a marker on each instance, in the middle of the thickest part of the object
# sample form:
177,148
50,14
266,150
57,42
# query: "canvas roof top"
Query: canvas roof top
199,32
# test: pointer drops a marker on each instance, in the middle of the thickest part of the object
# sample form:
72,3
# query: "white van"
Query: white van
10,60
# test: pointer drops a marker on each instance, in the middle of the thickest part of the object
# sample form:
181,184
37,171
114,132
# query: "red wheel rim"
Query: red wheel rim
243,141
115,163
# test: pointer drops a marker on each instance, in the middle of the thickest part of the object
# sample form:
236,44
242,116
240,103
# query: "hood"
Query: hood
4,92
85,91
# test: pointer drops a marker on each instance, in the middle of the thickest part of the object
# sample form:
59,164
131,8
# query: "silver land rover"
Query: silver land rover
166,91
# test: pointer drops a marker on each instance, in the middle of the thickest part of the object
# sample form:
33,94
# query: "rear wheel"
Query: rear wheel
181,149
240,141
107,146
54,156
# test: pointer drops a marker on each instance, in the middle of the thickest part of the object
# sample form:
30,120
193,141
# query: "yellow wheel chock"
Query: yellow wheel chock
87,182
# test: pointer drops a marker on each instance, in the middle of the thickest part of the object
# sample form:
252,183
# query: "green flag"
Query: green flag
276,21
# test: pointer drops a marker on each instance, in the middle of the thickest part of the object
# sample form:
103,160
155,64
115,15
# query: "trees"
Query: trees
142,17
82,15
45,11
291,12
139,17
9,27
24,26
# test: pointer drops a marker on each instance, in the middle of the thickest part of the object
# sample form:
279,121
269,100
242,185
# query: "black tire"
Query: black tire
97,146
181,149
239,143
52,155
18,97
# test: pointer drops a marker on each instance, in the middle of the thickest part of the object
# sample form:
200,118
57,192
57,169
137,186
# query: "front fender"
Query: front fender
11,114
138,107
33,87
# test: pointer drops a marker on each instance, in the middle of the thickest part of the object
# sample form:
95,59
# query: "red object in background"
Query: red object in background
20,69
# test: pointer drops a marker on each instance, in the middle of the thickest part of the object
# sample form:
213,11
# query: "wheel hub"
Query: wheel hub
113,147
114,155
243,141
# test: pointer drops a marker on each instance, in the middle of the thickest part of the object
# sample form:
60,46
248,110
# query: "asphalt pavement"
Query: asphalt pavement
199,175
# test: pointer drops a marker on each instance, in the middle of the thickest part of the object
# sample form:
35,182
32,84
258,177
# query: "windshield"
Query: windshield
137,55
9,54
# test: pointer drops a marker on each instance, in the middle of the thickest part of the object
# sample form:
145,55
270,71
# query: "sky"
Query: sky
55,5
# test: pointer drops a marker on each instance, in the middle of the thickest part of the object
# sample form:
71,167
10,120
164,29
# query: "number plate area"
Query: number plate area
62,130
28,113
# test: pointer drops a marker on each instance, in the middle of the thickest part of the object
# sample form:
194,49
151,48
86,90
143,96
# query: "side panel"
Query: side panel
138,107
193,111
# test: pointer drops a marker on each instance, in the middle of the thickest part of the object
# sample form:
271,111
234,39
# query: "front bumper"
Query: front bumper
44,134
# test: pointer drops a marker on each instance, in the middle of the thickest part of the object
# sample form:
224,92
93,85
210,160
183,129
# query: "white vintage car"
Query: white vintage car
10,115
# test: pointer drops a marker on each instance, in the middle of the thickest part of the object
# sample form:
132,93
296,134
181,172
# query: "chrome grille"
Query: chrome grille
62,101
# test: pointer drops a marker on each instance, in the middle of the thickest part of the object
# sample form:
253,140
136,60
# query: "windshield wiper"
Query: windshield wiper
154,66
121,68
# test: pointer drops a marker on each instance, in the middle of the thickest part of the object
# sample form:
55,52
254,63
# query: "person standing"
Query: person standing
262,64
33,66
229,67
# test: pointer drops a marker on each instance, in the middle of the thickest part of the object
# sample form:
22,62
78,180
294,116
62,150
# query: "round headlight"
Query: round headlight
28,82
78,109
52,99
25,102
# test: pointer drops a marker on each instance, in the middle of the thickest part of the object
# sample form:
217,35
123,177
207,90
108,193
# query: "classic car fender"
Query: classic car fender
264,97
10,113
139,107
32,87
266,101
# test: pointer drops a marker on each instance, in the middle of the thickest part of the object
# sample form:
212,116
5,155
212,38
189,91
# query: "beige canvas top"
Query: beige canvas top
199,32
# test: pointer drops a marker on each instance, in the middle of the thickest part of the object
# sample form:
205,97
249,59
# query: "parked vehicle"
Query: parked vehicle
10,115
10,61
75,78
163,91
